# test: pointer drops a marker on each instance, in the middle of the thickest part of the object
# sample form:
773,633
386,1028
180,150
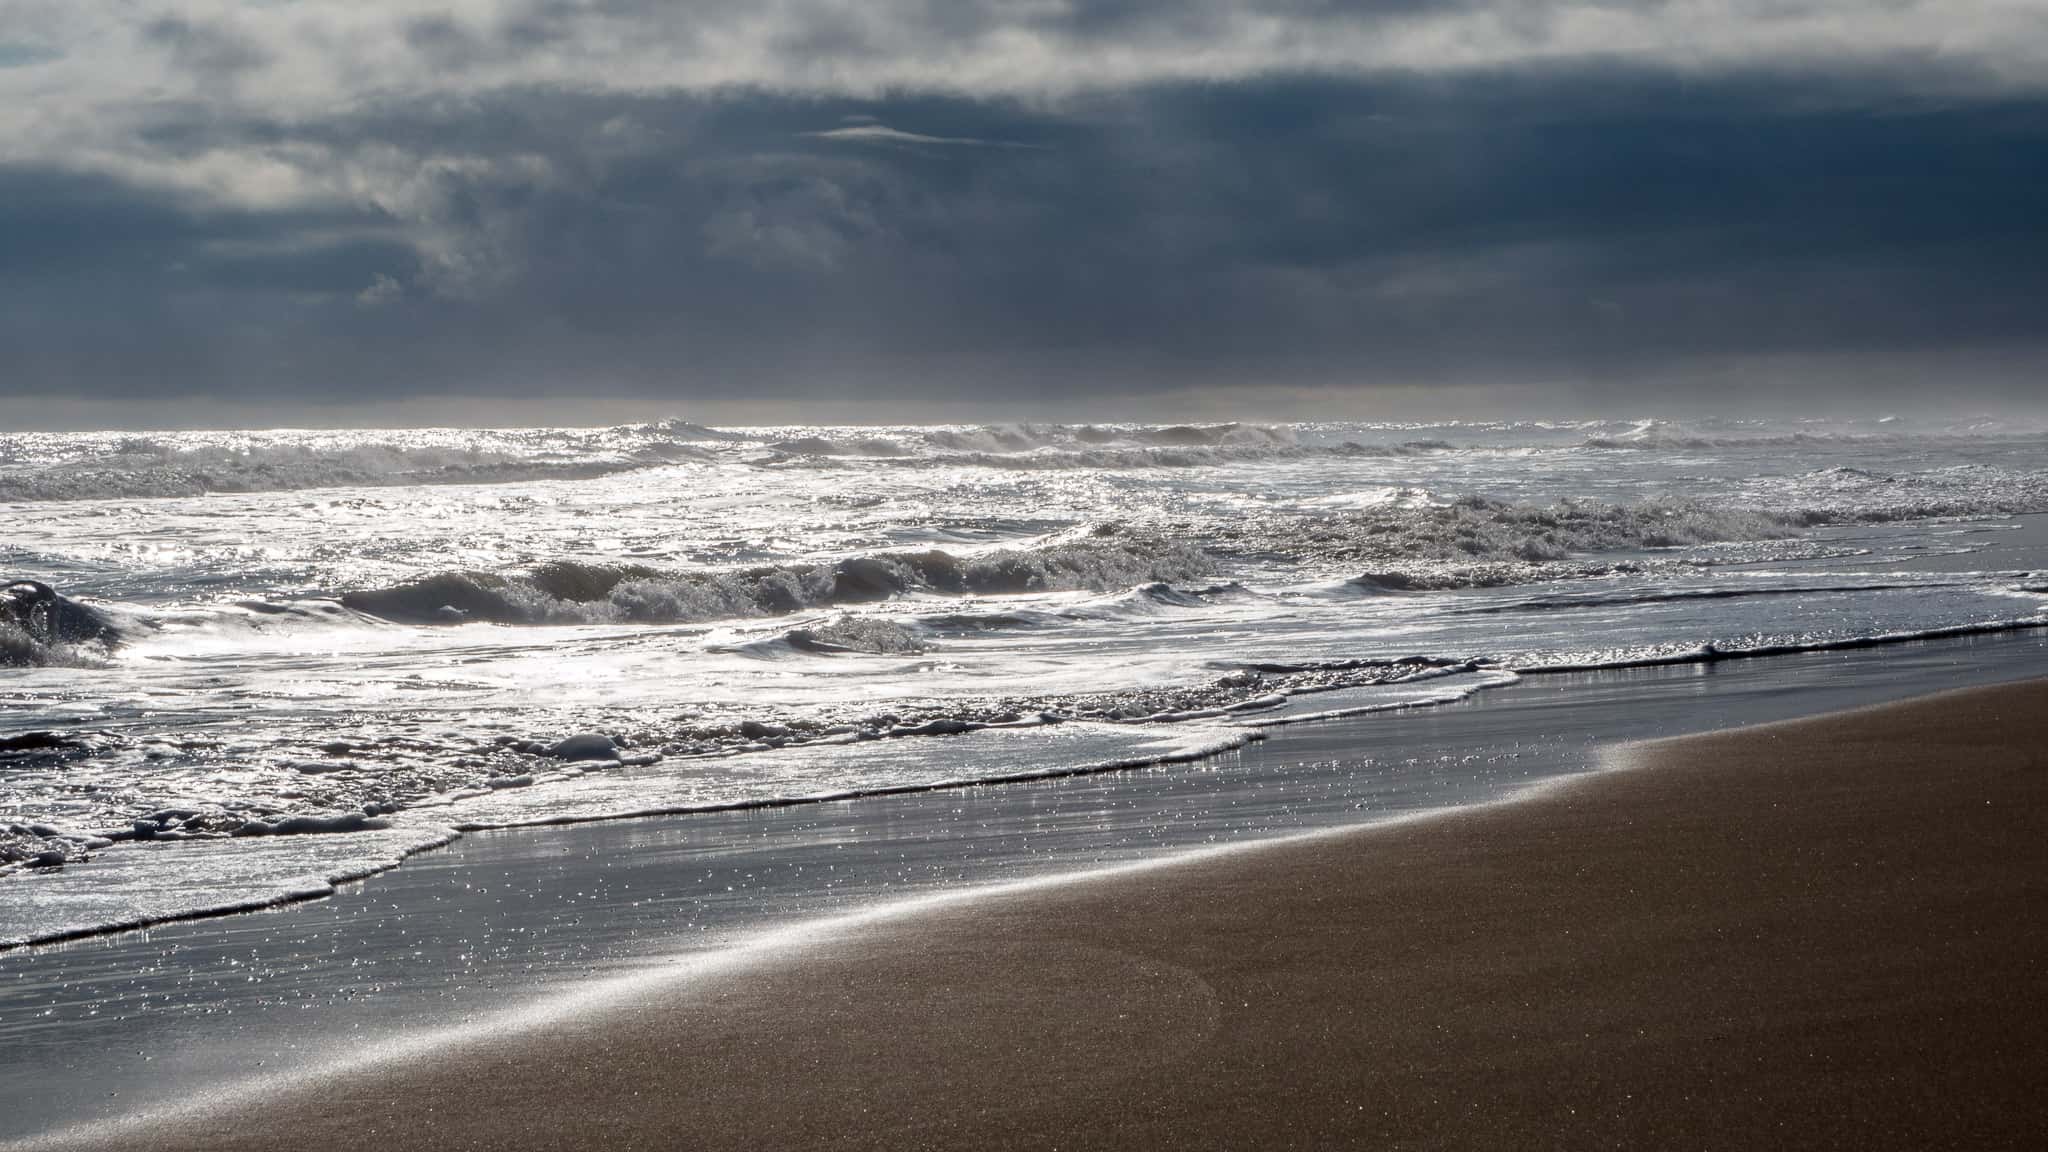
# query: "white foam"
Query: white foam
131,888
1387,697
815,773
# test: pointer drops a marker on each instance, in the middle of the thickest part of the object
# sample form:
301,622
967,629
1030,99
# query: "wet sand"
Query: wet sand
1828,933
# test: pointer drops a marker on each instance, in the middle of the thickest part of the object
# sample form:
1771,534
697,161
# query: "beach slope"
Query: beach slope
1824,934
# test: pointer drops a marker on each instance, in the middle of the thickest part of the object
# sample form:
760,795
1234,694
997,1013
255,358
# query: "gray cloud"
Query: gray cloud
327,201
109,72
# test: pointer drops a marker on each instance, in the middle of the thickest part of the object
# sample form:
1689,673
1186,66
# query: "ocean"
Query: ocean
239,668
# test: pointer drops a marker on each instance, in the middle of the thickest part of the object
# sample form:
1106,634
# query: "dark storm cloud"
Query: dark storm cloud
1545,226
210,50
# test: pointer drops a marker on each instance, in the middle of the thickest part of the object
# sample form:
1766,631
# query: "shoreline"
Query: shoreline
1250,727
1006,1017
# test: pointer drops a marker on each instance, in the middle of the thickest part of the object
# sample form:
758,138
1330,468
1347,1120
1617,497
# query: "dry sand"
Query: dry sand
1821,934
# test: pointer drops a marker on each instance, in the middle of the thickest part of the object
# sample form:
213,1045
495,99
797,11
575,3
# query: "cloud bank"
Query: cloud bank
901,202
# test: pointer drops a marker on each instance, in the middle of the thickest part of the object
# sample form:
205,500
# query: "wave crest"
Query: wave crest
40,627
571,592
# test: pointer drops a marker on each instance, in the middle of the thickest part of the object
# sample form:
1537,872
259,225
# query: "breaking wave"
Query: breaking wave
570,592
844,634
41,627
820,446
1473,542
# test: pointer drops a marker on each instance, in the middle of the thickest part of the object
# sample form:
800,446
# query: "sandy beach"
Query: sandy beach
1825,933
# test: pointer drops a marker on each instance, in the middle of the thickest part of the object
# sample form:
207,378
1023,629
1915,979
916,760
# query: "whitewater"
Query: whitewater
238,668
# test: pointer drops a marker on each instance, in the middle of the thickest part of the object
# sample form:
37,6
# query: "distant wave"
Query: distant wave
1655,442
143,468
1860,496
996,439
1191,456
99,466
1697,435
87,466
1477,541
1063,447
1108,457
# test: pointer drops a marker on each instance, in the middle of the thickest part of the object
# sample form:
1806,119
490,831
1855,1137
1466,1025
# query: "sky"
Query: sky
321,211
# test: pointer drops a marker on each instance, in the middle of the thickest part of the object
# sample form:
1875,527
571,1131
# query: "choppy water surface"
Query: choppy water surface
252,664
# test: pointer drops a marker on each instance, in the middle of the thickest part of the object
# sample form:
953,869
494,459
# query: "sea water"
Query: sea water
244,667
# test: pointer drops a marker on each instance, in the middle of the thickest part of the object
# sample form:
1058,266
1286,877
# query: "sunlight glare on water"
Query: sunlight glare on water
387,636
